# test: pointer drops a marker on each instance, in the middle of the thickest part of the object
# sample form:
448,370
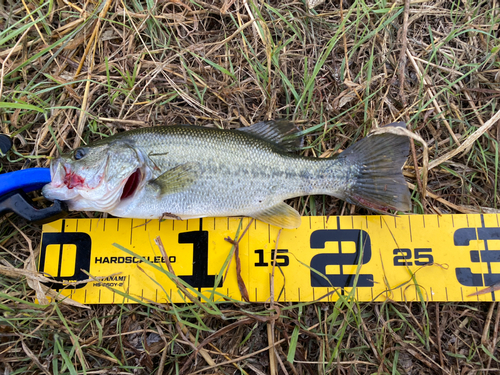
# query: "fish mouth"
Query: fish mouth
132,184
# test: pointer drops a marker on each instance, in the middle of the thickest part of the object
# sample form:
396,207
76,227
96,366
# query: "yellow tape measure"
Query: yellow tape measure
405,258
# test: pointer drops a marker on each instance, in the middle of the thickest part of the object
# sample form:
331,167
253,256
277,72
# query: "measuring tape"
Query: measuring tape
369,258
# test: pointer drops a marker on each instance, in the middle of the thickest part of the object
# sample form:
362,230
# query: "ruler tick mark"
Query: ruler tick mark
409,227
131,230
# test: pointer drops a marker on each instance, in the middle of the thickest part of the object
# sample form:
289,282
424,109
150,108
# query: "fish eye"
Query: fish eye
79,153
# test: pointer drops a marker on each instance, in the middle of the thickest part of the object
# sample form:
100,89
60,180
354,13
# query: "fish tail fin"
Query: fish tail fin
377,182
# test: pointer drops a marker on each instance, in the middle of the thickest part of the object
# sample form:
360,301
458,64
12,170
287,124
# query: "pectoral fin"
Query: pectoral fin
177,179
280,215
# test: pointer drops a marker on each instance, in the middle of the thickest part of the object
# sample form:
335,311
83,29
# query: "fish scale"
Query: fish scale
189,172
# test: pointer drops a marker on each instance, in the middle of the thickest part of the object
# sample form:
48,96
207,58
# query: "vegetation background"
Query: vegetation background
74,71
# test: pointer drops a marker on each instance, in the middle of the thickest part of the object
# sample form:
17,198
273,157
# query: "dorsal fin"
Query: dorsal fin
280,132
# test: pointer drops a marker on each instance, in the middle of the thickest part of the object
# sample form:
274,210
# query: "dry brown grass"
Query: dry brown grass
74,71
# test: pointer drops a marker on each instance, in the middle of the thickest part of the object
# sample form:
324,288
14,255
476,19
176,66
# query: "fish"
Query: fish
185,172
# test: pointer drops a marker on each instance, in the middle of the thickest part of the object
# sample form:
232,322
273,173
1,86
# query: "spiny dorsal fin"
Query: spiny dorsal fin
280,215
177,179
281,132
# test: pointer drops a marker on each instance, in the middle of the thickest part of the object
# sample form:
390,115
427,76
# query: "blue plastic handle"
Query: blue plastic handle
27,179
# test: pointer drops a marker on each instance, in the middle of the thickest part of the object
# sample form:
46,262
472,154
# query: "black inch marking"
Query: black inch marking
319,262
83,244
423,219
463,237
199,277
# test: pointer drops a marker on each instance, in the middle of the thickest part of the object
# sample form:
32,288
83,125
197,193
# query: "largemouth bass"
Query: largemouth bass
183,172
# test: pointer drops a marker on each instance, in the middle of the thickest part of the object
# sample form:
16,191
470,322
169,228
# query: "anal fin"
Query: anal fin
280,215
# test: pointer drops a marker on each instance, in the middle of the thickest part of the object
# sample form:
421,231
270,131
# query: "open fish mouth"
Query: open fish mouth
131,185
